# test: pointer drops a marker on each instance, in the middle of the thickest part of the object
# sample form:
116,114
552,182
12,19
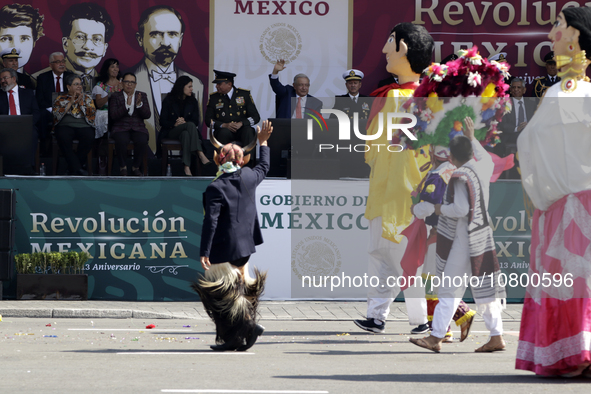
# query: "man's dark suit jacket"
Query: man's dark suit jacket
507,125
25,81
119,119
45,89
27,104
283,97
230,227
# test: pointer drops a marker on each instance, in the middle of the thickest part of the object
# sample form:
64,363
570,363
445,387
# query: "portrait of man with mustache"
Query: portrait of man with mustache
160,35
86,31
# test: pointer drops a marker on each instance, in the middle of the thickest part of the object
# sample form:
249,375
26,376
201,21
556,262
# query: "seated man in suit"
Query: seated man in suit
514,122
232,111
48,83
285,94
127,111
18,101
10,58
353,101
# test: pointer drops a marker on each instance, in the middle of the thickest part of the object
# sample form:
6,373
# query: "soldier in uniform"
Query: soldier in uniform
10,58
353,101
232,111
543,83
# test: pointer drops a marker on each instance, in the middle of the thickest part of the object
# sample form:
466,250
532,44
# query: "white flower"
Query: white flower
474,79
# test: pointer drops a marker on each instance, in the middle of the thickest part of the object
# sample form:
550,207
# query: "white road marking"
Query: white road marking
128,329
488,332
244,391
175,353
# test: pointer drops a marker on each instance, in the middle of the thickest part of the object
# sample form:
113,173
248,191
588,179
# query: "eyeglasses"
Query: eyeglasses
58,62
76,84
81,39
130,82
6,78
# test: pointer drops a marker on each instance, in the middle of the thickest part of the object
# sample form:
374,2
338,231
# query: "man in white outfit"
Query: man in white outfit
465,246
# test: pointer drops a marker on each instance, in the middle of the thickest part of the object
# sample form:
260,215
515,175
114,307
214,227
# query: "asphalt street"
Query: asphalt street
121,355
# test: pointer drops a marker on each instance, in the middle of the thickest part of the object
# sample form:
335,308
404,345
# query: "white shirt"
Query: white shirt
61,81
14,91
516,106
354,98
130,108
230,93
164,84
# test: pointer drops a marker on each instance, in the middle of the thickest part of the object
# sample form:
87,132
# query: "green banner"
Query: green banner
143,235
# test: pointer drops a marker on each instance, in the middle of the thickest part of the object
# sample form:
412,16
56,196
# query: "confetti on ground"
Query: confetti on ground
48,325
49,336
191,338
150,326
186,326
343,334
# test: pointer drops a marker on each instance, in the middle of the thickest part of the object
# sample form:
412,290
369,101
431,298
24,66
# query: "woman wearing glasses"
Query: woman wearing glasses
73,118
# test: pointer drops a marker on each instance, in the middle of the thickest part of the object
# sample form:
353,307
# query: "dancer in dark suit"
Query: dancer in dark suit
229,235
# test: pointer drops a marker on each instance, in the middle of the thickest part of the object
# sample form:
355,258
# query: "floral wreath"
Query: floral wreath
468,86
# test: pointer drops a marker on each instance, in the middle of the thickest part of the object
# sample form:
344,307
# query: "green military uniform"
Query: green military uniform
238,108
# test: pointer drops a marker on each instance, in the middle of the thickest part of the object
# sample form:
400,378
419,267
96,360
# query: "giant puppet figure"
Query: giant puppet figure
555,333
394,176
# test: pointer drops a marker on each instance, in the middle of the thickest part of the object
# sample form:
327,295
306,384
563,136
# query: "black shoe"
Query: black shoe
224,347
423,328
370,325
257,332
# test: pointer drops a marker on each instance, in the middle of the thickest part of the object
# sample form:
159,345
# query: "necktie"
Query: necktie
355,99
520,114
57,84
12,104
299,109
552,79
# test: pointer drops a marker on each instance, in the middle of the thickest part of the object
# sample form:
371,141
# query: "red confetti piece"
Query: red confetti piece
48,325
150,326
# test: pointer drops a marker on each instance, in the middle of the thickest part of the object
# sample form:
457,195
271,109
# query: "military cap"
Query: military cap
549,57
223,76
10,53
499,57
353,75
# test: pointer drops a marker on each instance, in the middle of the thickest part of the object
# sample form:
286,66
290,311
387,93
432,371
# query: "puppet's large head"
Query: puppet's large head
408,49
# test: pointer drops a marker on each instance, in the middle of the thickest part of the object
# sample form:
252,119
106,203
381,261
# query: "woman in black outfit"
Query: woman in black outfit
179,119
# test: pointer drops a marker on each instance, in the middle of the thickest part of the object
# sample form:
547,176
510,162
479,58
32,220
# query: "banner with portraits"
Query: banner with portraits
160,41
